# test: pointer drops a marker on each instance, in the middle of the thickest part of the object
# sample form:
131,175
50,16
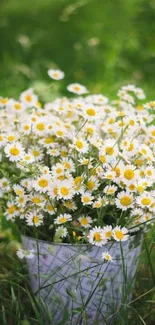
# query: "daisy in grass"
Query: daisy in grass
4,184
61,232
37,199
129,174
50,208
56,74
110,190
124,200
34,219
11,211
145,200
87,198
42,184
120,234
29,254
90,112
29,98
14,151
96,237
80,145
78,89
65,189
107,230
63,218
18,189
85,221
106,256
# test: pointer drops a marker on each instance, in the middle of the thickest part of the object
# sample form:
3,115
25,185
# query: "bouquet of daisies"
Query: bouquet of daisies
78,170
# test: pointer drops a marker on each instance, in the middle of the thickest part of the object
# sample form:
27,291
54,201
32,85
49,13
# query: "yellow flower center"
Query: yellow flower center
109,151
129,174
4,100
55,190
36,200
64,191
50,208
11,138
79,144
132,187
108,233
149,172
28,98
35,153
11,209
14,151
17,106
153,133
119,234
86,199
146,201
91,112
97,237
60,133
84,221
90,185
59,170
76,88
43,182
26,127
102,158
49,140
40,126
35,219
62,220
125,200
5,184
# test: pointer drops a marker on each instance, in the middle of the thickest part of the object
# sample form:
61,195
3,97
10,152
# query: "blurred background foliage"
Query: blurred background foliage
102,44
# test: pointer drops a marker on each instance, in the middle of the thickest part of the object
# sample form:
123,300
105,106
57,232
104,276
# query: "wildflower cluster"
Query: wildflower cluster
79,169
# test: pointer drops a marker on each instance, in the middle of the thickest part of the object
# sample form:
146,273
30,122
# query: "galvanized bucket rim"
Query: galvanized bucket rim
78,245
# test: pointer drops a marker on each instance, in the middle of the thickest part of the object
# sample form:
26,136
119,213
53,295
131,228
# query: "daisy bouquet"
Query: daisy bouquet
80,169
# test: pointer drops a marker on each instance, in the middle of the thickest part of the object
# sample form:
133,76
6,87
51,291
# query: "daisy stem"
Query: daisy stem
38,262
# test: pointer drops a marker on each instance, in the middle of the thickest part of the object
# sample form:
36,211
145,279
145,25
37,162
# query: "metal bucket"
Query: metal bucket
74,278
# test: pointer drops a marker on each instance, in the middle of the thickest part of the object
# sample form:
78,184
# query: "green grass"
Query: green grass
102,44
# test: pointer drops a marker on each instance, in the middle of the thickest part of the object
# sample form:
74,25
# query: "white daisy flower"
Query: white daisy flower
50,208
80,145
87,198
78,89
2,140
14,151
90,112
124,200
29,98
4,184
110,189
61,232
21,253
107,230
106,256
120,234
65,190
19,190
55,74
145,200
34,219
85,221
42,184
96,237
53,189
63,218
21,201
11,211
